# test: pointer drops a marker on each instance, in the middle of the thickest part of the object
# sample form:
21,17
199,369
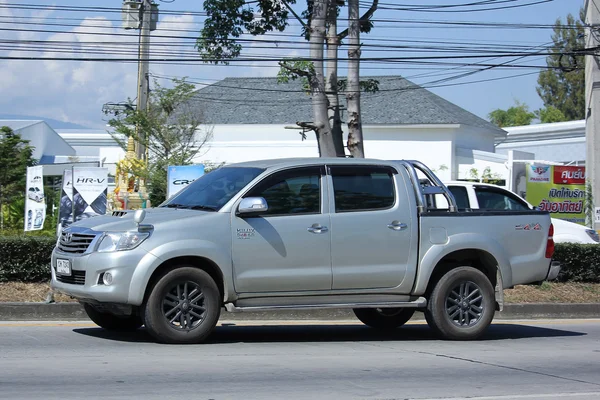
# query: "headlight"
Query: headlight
117,241
593,234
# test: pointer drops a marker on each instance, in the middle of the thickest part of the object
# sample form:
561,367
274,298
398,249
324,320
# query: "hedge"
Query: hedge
579,262
27,259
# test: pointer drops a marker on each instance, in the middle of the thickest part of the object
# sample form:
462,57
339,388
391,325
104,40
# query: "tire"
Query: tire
183,307
384,318
461,305
112,322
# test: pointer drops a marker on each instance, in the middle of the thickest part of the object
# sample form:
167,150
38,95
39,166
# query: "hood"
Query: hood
570,232
123,220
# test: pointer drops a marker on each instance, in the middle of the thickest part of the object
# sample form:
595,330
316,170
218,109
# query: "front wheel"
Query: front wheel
461,305
112,322
384,318
183,306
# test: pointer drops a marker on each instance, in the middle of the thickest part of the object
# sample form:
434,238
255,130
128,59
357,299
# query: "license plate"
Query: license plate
63,267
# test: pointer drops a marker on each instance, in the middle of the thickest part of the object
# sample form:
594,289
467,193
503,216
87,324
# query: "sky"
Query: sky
75,91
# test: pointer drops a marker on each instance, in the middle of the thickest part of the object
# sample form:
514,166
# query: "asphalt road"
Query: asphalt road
536,360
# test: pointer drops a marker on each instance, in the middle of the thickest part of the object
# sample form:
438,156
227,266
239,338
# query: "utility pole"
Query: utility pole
592,103
143,70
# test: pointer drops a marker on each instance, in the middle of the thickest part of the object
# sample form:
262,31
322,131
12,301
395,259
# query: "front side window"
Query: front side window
296,191
491,199
214,189
358,188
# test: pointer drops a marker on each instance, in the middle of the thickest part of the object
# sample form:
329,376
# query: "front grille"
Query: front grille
76,278
74,243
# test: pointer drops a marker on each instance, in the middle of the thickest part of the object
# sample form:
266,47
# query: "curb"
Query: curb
74,311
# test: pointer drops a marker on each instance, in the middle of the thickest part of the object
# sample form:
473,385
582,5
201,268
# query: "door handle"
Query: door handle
317,228
397,226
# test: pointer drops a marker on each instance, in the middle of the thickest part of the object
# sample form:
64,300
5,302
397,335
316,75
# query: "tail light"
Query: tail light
550,243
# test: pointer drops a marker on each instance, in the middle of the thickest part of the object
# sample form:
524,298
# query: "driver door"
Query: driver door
287,248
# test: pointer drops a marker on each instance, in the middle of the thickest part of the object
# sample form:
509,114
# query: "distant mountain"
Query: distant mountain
54,124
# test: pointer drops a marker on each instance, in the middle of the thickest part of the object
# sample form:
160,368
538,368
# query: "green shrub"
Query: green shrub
25,258
579,262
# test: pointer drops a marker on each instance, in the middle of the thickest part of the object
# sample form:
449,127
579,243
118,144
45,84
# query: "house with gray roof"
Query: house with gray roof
255,118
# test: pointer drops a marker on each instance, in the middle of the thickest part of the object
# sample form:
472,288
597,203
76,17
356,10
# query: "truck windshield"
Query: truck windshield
212,191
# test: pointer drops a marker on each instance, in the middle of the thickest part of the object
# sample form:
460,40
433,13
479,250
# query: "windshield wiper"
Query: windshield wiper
199,207
175,206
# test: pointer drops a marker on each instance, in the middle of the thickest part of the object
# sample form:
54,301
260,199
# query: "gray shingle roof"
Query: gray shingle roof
264,101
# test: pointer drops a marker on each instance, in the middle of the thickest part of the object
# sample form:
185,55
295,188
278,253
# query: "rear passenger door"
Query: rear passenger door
373,230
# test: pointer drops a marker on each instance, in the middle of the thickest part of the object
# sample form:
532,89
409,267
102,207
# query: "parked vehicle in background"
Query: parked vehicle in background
35,194
483,196
302,234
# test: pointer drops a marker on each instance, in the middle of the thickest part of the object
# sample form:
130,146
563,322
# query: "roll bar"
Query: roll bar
411,167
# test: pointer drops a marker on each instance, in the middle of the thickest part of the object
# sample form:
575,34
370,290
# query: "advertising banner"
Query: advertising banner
83,194
179,177
557,189
35,200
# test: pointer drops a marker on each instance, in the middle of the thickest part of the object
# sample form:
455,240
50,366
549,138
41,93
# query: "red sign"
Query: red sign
569,175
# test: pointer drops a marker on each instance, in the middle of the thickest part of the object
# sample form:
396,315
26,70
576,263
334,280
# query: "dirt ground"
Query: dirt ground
546,293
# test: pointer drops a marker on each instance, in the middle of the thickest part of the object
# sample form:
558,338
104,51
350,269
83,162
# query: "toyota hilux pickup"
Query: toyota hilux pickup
293,234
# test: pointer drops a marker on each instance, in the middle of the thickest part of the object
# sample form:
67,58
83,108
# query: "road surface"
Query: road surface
534,360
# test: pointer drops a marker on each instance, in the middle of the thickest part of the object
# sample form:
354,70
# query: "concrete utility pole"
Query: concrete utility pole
592,102
143,70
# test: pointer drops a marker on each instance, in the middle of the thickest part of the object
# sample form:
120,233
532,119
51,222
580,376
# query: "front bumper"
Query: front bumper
553,270
85,282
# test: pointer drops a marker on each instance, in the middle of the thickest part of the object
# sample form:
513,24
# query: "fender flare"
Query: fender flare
463,241
181,248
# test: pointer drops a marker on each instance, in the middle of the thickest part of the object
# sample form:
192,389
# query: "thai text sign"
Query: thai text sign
557,189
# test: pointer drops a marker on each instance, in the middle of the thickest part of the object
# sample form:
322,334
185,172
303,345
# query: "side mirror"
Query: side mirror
252,206
138,216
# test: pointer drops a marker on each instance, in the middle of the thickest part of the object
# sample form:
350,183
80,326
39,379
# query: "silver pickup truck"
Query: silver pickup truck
302,234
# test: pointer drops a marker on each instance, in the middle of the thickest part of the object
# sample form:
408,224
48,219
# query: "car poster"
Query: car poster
35,201
84,194
558,189
179,177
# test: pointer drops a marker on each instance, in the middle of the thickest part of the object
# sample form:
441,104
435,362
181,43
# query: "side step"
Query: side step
418,303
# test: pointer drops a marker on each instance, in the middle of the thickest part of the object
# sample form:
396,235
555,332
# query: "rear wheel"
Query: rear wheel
183,306
384,318
461,305
112,322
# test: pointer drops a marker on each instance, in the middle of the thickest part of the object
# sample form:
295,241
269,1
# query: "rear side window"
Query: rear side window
461,196
491,199
358,188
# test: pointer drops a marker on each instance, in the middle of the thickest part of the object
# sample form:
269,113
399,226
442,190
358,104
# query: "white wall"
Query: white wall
468,159
237,143
474,138
45,140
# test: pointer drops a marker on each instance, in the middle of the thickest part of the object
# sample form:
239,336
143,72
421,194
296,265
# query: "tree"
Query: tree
516,115
171,126
562,85
550,114
227,20
15,156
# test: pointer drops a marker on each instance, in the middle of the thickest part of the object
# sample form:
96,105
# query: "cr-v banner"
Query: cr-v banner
179,177
35,204
557,189
84,194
